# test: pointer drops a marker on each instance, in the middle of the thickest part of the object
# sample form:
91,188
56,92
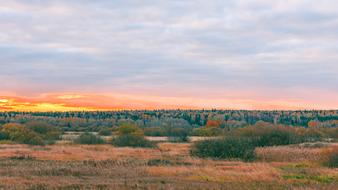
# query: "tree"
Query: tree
213,123
129,129
21,134
313,124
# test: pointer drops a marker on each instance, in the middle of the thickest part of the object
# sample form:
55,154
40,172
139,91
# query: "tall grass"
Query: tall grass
331,157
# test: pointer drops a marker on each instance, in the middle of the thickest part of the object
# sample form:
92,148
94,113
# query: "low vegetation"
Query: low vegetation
241,143
269,135
20,134
132,141
176,134
207,132
48,133
225,148
105,132
88,138
332,157
129,135
167,167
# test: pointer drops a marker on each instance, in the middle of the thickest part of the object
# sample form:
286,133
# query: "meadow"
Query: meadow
169,166
36,154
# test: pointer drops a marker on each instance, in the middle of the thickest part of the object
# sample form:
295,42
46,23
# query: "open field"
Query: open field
103,150
169,166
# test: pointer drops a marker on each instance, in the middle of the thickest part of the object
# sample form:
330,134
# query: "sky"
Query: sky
61,55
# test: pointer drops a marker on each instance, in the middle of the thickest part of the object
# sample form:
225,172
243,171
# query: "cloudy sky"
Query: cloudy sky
131,54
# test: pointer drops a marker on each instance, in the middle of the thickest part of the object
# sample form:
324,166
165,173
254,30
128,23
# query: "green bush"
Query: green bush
39,127
45,131
33,139
178,134
277,137
21,134
3,136
269,135
88,138
105,132
129,129
313,134
132,141
155,132
207,132
225,148
333,161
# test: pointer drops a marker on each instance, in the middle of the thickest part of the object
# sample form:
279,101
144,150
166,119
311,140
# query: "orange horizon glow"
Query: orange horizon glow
114,102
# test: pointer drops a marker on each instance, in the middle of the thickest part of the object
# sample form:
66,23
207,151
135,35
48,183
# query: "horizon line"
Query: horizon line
178,109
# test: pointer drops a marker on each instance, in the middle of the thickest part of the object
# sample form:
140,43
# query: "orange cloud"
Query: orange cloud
92,102
22,104
70,96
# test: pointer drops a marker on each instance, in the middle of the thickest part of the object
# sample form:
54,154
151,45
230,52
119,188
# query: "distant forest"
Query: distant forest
225,119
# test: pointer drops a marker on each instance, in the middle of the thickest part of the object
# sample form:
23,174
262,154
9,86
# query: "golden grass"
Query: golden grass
167,167
76,152
244,172
288,154
295,153
173,149
330,151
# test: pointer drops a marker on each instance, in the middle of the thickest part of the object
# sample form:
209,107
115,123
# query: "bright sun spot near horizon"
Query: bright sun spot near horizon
3,100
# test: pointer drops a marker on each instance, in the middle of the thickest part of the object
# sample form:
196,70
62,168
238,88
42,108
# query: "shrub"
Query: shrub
88,138
129,129
225,148
3,136
207,132
21,134
155,132
277,137
332,157
46,131
105,132
333,161
177,134
333,133
313,134
265,135
132,141
33,139
39,127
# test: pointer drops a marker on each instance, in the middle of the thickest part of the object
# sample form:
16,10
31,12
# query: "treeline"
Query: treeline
94,121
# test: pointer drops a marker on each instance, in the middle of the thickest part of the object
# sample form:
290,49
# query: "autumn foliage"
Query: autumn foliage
213,123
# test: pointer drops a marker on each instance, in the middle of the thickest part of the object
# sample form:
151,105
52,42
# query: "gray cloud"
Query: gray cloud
165,45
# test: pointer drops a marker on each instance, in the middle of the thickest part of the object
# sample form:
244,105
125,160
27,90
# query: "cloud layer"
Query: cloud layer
249,50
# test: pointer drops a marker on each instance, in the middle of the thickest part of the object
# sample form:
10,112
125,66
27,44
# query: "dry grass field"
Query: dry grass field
169,166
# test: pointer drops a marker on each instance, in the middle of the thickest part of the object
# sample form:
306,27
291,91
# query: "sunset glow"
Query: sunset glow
92,102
